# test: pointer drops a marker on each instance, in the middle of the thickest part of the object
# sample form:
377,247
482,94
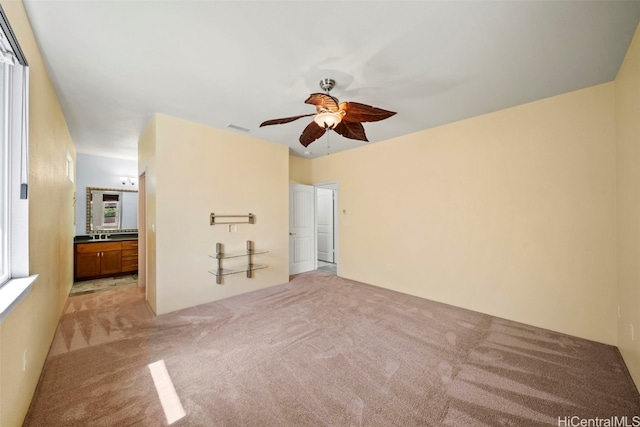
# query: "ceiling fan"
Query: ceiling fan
345,118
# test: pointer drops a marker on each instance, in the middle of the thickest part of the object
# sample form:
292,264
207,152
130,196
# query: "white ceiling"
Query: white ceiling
114,63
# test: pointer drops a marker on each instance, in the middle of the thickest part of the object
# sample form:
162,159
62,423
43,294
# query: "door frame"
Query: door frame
142,231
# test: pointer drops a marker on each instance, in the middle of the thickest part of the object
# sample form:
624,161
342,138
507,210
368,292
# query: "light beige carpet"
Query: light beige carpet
321,351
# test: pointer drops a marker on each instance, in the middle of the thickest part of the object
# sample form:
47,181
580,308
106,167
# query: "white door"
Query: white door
302,236
325,224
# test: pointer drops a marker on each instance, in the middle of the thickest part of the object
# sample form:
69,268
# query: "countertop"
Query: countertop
111,238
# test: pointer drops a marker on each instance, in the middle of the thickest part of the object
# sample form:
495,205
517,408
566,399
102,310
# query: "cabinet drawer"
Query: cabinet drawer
98,247
129,265
129,253
130,244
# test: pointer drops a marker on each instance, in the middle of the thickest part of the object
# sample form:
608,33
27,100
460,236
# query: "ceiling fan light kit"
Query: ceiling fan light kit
344,118
327,119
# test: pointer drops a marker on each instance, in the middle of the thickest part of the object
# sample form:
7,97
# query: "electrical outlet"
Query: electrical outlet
233,228
24,360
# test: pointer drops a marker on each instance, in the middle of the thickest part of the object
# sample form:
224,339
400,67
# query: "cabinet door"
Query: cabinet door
87,265
111,262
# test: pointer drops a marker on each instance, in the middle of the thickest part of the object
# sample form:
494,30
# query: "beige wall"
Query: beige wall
627,86
299,170
32,325
199,170
511,213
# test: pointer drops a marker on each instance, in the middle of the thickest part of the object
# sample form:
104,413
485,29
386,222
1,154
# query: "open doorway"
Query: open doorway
327,226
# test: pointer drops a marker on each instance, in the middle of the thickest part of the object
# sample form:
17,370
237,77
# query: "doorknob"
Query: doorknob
291,234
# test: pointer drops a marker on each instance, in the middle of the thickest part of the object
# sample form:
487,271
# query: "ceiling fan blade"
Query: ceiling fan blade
351,130
284,120
323,101
356,112
311,133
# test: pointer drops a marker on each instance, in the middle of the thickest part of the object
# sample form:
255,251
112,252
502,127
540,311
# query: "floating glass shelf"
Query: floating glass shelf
248,268
236,254
239,269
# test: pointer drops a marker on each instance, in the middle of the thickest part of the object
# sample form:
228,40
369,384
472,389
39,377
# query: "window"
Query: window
14,206
12,77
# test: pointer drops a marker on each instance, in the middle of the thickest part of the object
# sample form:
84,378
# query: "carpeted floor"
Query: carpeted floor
321,351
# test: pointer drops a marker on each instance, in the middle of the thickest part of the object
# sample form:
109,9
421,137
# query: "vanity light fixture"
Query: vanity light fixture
127,180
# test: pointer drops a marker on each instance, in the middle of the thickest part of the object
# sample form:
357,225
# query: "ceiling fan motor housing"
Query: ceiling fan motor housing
327,84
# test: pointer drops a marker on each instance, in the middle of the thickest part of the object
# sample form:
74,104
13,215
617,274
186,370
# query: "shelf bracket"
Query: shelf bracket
249,259
219,256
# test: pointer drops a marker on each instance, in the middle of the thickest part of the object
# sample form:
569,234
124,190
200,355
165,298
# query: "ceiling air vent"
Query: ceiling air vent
240,128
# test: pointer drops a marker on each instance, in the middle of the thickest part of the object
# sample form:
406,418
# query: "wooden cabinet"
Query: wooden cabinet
130,256
103,259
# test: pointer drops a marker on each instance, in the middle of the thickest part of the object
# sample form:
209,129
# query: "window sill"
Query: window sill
12,292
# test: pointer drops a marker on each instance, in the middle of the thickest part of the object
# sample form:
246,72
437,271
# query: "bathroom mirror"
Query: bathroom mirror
112,210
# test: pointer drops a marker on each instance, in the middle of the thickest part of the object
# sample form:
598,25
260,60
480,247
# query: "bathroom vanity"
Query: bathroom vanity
117,255
110,247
